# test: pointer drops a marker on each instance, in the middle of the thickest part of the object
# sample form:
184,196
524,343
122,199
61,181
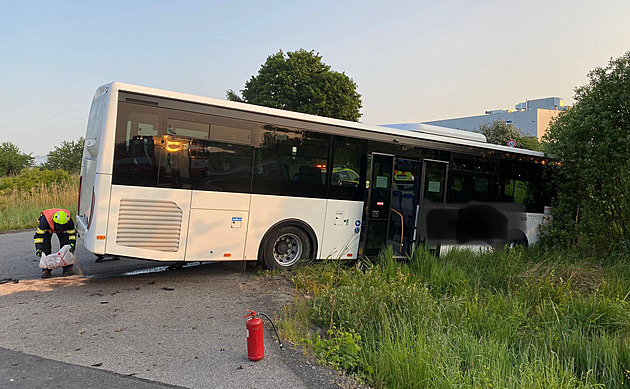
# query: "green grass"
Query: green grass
20,208
523,318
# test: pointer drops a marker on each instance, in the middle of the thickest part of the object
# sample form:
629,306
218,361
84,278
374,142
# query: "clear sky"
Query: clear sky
412,60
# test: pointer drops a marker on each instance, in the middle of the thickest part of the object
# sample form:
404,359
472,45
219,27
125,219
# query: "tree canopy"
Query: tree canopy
66,156
592,140
499,133
300,81
12,160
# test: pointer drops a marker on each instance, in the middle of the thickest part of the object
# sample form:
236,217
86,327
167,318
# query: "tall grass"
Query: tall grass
522,318
20,208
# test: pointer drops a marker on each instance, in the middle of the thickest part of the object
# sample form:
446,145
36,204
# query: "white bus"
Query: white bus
168,176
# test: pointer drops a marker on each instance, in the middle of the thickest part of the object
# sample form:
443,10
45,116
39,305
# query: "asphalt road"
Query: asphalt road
18,260
132,323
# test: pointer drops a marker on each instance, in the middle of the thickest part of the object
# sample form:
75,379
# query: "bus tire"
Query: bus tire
285,246
517,238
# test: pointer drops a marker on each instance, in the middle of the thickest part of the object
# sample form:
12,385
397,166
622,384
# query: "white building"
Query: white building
532,116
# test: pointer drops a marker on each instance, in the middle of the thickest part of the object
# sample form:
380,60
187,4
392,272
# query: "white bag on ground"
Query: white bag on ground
59,259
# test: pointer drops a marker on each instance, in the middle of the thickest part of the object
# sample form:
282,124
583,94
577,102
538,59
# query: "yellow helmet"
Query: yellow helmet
61,217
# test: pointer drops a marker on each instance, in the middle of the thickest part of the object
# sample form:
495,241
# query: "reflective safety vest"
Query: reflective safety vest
48,214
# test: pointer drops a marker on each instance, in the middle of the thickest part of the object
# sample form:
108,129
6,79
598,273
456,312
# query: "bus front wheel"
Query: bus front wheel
285,247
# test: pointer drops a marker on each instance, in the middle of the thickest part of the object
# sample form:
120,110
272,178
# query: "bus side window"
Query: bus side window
134,150
348,170
291,162
474,178
520,182
460,193
222,167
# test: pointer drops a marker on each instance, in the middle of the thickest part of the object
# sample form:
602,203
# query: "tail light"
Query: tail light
91,213
79,198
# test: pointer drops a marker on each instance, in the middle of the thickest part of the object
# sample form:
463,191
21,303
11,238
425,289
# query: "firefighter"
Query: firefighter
56,221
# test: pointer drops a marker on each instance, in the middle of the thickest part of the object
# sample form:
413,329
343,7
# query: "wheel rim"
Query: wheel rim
287,249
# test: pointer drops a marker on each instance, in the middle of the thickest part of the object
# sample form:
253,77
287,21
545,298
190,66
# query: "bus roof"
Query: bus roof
423,131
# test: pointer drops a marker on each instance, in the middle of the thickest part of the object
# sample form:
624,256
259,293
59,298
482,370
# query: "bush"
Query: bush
592,140
33,178
340,349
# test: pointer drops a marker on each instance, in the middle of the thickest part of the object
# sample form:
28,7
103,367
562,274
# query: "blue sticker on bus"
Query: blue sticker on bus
237,219
357,223
356,230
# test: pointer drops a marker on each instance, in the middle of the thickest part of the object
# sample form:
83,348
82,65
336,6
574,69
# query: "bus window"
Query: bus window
221,166
231,134
188,129
291,162
172,153
474,179
347,178
137,130
524,182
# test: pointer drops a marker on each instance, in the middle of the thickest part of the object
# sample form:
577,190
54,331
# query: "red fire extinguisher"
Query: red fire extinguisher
255,339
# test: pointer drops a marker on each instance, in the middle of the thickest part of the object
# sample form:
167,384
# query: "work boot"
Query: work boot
67,271
46,273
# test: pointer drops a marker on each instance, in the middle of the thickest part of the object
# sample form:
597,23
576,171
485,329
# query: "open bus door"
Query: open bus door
433,190
404,206
379,194
398,190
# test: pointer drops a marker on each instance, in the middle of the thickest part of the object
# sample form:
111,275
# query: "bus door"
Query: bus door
433,196
404,205
379,194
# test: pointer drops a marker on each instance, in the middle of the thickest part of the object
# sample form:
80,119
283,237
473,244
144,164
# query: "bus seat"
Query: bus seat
310,175
284,172
397,199
142,150
406,205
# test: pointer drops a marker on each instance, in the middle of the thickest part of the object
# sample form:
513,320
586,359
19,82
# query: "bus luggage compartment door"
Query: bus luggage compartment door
216,235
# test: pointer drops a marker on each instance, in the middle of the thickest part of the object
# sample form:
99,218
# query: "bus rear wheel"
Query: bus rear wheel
285,247
517,239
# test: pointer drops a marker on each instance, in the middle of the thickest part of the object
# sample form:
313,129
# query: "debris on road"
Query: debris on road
38,285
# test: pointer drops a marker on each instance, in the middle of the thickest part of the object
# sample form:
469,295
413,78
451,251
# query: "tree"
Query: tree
529,143
592,140
67,156
299,81
499,133
12,160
